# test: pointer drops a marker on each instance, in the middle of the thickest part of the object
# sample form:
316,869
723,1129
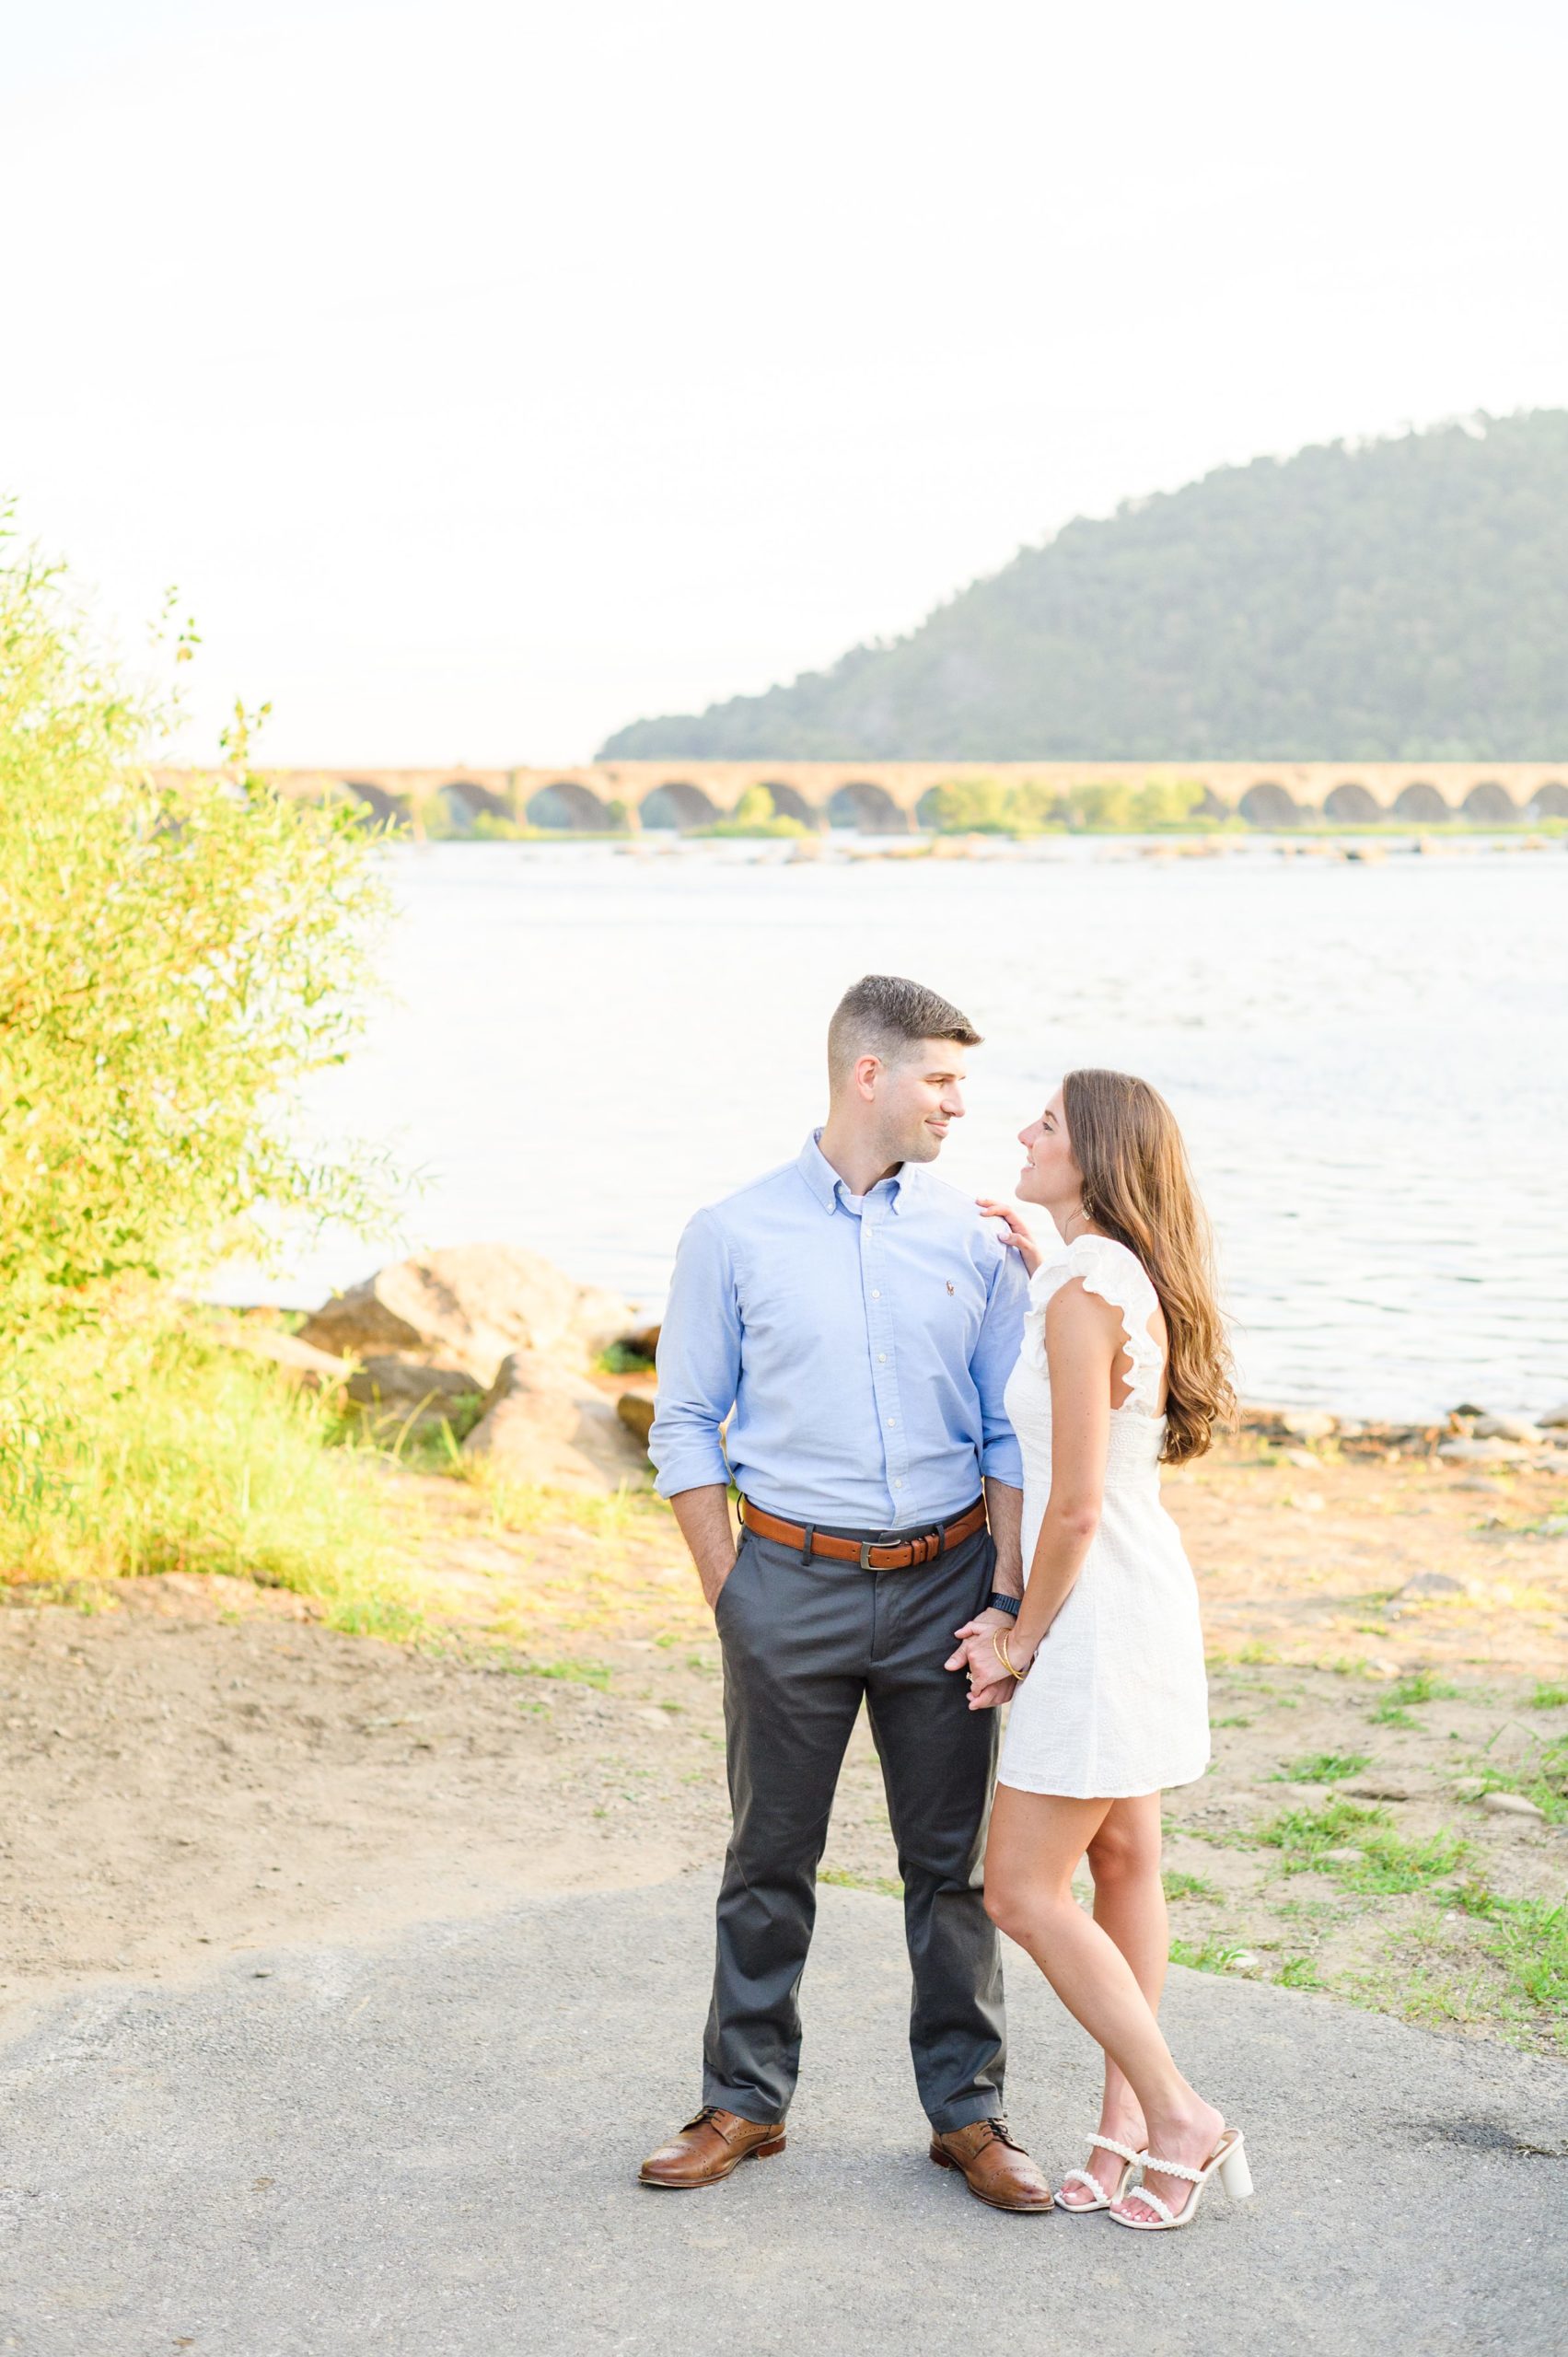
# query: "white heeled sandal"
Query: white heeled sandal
1102,2201
1228,2158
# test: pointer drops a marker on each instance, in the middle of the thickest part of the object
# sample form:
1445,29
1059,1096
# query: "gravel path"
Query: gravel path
427,2148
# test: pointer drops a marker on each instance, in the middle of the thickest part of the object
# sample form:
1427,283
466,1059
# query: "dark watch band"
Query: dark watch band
996,1602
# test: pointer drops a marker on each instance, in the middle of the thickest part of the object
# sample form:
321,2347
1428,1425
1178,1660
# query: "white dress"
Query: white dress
1116,1701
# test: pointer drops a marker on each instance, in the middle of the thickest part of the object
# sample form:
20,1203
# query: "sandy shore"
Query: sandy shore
195,1766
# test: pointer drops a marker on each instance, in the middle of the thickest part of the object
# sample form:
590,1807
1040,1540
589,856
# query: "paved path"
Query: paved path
427,2150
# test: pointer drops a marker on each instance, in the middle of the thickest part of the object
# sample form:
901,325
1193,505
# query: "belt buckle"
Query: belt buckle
865,1563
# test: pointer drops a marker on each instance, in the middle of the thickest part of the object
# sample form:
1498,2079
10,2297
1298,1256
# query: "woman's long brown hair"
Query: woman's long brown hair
1138,1187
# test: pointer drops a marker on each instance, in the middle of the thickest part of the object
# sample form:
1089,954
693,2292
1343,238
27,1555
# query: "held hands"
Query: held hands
1019,1236
990,1682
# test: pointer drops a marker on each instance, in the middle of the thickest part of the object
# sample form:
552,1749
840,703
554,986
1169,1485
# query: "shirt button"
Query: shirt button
899,1483
876,1293
881,1358
891,1422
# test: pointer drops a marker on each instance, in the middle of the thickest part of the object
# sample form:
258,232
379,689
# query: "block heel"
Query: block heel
1227,2162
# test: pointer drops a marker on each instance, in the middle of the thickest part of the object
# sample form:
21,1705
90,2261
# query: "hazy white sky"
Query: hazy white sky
486,376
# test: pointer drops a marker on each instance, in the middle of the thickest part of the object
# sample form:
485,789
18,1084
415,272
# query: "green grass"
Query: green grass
1391,1865
419,1447
526,1506
162,1452
1420,1686
1184,1886
1298,1972
1552,1523
1542,1777
597,1674
621,1358
1211,1954
885,1885
1529,1937
1548,1698
1323,1768
1423,1686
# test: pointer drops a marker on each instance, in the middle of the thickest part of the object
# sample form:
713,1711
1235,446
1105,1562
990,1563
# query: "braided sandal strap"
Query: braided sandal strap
1142,2193
1123,2152
1091,2184
1172,2168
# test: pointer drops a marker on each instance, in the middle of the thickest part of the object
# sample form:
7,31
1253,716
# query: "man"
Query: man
861,1320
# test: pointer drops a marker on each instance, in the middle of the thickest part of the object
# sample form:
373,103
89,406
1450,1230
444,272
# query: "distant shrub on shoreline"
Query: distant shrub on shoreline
987,807
754,816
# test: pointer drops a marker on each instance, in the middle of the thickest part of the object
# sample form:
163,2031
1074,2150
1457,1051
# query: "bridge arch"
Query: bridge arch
790,803
1550,801
563,804
377,801
1269,803
678,804
1351,804
1491,804
865,803
1421,800
461,800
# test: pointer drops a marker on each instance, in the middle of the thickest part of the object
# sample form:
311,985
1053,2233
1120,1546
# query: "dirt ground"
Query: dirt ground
198,1766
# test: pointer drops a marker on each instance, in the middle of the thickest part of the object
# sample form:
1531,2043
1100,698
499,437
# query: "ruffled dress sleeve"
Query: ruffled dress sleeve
1105,1268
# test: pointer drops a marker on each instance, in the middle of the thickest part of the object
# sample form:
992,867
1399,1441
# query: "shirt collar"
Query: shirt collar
826,1184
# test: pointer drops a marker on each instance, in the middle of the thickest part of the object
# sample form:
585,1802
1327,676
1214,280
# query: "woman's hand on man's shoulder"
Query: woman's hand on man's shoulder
1015,1232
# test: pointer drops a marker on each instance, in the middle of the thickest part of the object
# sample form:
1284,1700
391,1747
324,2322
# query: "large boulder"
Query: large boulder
464,1309
298,1361
409,1393
1519,1428
1289,1424
636,1411
543,1424
1483,1452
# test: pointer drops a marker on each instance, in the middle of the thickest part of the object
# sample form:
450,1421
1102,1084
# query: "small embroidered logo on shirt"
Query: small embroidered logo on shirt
949,1284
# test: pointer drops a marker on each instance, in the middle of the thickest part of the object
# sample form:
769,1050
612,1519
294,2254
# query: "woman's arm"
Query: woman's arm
1083,1338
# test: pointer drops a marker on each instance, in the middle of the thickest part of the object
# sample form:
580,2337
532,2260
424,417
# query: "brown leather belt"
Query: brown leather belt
899,1556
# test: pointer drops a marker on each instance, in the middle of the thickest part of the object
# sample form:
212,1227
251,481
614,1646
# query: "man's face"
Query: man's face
918,1099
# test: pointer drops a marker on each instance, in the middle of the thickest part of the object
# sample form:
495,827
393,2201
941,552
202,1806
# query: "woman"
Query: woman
1123,1364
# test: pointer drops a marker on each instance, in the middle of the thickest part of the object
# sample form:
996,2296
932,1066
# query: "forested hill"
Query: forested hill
1404,599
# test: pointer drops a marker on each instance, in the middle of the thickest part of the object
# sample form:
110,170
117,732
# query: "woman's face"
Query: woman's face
1049,1175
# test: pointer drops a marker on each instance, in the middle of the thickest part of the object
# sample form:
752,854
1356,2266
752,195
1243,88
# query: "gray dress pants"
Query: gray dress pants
803,1643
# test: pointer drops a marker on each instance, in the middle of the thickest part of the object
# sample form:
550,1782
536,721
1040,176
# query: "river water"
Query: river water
1368,1061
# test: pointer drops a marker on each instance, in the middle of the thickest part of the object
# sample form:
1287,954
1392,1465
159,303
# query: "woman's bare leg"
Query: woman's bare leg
1124,1859
1036,1840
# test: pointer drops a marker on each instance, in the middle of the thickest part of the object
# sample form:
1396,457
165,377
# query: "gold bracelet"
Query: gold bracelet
999,1646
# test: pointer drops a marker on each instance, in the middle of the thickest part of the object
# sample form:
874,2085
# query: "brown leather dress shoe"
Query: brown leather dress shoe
993,2168
709,2148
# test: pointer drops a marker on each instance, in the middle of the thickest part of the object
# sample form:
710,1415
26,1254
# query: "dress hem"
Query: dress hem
1100,1792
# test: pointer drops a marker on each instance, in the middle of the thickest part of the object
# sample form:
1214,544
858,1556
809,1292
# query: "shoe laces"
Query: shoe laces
996,2132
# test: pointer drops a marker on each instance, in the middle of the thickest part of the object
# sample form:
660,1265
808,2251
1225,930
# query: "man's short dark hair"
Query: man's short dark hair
883,1015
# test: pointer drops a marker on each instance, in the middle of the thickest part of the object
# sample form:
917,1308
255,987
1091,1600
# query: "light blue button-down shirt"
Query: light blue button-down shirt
862,1347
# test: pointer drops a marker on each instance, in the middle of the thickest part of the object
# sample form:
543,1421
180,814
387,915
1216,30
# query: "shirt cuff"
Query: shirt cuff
1003,1460
690,1465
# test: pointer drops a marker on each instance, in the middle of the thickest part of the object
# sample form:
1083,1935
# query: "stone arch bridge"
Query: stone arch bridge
891,797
